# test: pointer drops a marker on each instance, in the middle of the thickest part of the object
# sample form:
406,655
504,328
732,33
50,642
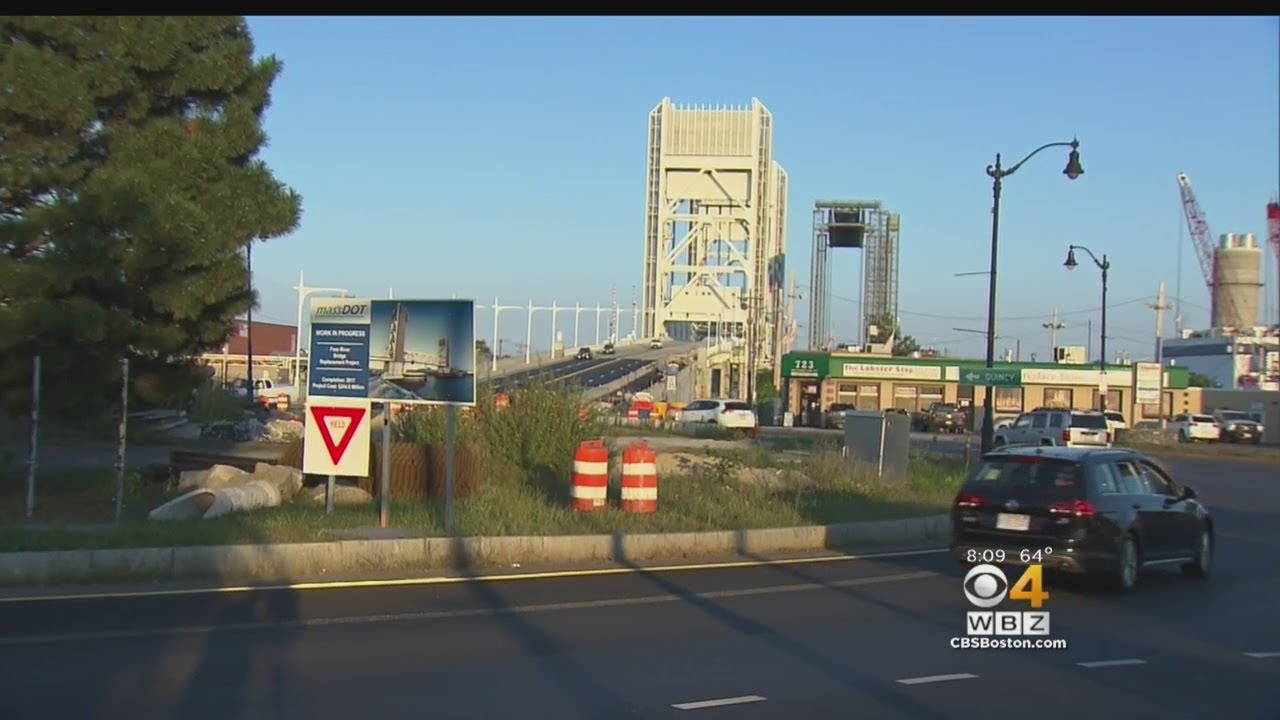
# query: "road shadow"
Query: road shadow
212,655
570,677
743,625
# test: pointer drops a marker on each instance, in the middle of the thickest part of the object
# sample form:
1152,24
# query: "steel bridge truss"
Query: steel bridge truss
856,224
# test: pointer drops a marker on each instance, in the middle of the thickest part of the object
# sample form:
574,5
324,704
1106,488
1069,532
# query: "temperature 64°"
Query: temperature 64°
1036,555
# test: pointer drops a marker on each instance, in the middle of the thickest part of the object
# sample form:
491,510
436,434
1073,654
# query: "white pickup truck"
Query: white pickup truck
265,391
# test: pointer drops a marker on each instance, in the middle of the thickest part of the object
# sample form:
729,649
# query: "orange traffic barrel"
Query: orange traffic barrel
501,401
282,402
590,489
639,479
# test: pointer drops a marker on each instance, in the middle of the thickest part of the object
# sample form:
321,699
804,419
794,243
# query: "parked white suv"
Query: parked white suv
728,414
1191,427
1115,421
1066,428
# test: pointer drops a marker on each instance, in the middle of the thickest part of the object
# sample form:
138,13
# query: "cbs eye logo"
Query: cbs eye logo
985,586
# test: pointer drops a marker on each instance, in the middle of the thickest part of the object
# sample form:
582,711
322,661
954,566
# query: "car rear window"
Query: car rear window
944,408
1028,476
1202,419
736,406
1234,415
1088,421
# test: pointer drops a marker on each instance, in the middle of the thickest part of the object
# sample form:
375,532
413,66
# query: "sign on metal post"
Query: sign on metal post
991,377
338,364
1147,381
386,351
337,436
423,352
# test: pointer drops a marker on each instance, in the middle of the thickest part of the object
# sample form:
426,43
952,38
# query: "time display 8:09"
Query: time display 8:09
986,556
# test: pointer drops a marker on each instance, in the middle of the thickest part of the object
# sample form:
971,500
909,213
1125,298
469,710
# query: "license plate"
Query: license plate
1006,521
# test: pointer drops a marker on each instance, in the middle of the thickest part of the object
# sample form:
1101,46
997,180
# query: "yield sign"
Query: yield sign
329,419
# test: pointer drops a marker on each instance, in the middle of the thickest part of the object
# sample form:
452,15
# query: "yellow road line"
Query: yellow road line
456,579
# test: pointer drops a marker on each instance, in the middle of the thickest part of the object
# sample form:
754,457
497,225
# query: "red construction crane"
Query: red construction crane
1198,225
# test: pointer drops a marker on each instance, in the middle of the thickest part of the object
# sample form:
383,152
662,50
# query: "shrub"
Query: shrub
214,404
534,437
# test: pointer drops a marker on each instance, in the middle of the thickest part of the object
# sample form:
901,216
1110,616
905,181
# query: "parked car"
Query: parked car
1238,426
1070,428
728,414
943,417
1115,421
584,353
1192,427
833,418
1106,511
655,343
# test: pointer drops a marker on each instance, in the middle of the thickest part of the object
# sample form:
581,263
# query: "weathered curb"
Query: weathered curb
247,563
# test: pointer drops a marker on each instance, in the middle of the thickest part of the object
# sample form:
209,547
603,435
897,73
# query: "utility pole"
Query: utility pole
1088,351
1160,305
635,316
1053,326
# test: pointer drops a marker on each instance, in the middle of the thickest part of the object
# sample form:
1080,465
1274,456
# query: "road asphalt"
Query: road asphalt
843,638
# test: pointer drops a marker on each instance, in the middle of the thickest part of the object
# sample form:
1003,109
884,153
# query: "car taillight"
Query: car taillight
970,501
1066,436
1079,508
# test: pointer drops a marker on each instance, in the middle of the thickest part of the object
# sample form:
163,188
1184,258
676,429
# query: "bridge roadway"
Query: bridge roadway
600,370
825,636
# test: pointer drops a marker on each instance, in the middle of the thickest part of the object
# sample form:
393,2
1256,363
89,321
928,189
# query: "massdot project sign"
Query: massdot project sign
388,351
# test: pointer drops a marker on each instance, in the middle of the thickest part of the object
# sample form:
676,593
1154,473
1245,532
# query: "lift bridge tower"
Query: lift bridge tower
715,233
859,224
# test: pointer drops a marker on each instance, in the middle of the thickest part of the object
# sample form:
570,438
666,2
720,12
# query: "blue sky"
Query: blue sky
442,156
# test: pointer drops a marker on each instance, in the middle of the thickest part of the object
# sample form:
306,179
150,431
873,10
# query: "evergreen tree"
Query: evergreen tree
130,188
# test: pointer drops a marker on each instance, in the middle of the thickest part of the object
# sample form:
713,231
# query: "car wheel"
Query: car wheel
1128,562
1201,566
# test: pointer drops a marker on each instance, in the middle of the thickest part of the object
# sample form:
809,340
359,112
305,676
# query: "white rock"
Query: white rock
342,495
287,480
218,476
256,494
185,507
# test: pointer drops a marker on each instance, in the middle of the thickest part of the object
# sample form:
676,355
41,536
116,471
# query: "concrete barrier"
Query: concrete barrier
284,562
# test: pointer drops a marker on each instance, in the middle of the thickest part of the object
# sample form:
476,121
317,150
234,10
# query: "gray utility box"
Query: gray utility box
879,440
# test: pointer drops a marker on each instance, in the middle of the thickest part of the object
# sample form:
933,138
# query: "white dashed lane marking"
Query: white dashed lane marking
936,678
1262,655
720,702
1112,663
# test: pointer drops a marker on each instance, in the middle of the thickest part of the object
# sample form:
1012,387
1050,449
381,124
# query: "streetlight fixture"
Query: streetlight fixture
303,292
1105,266
997,173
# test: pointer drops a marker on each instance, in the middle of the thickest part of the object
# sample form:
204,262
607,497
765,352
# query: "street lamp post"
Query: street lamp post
303,292
997,173
1105,266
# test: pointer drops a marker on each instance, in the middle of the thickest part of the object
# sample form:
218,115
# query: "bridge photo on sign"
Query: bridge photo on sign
423,351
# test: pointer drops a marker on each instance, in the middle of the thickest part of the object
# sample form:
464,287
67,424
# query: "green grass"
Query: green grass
526,455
